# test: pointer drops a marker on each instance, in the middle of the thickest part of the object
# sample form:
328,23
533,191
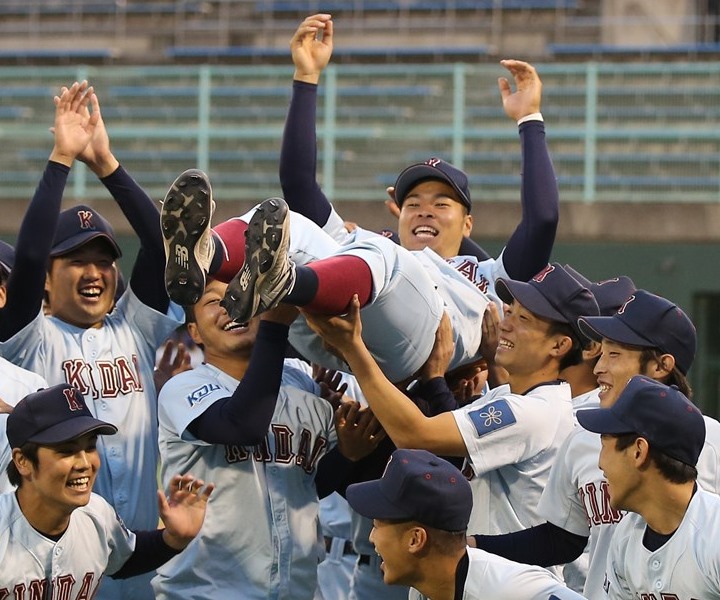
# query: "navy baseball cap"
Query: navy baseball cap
647,321
7,256
52,416
661,414
552,294
433,168
77,226
610,294
416,486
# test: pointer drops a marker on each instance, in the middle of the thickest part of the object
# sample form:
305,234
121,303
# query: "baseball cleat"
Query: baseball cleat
185,222
268,274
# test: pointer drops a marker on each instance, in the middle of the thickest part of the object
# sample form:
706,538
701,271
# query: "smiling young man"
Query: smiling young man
511,434
420,509
104,348
57,538
648,335
666,547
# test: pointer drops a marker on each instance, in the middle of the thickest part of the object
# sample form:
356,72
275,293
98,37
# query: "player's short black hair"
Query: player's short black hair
574,356
30,451
676,377
446,542
671,469
4,275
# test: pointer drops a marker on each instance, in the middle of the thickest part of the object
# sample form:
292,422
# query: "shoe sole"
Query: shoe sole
264,235
184,217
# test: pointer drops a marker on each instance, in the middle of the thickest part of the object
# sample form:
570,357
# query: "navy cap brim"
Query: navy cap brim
367,499
602,420
81,239
72,429
613,329
529,296
410,176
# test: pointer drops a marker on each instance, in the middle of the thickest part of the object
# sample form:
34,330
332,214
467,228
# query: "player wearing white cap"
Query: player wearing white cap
666,546
420,509
57,538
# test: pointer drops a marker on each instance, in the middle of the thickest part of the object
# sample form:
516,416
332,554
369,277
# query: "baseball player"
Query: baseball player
373,267
260,431
108,356
651,336
666,546
420,509
57,538
511,434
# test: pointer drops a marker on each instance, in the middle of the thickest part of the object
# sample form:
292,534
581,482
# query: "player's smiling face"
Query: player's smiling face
391,542
220,336
432,217
62,480
616,366
525,345
81,284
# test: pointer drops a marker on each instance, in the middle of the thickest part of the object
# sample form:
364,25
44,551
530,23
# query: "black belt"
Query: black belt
347,546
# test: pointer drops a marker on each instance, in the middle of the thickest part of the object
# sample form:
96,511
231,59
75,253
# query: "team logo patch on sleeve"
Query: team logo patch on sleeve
491,417
199,394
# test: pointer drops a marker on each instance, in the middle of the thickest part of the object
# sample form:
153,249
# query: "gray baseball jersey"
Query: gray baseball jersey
15,384
491,577
113,368
261,533
687,566
95,542
577,499
511,441
410,292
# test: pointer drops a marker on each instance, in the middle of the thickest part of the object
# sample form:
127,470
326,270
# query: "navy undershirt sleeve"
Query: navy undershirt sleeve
543,545
151,551
147,279
333,473
528,249
244,417
26,285
298,156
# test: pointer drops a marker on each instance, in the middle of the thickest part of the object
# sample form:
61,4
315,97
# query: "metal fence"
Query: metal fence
617,132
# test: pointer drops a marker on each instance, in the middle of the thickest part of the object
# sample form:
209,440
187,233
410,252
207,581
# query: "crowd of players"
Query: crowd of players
501,428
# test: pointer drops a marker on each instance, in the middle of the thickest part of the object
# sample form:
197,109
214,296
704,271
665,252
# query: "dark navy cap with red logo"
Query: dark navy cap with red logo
552,294
648,321
7,256
52,416
77,226
610,294
416,486
659,413
433,168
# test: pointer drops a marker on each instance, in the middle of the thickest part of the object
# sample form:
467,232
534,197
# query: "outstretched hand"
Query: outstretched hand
526,99
311,53
183,510
74,123
343,333
5,408
168,367
358,431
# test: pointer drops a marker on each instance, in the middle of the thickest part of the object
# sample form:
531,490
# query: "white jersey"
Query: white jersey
491,577
577,498
15,384
410,292
113,368
686,566
95,542
511,441
260,537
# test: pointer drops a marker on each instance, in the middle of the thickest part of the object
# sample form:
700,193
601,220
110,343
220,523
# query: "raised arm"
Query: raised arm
528,249
147,279
298,157
73,128
401,419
